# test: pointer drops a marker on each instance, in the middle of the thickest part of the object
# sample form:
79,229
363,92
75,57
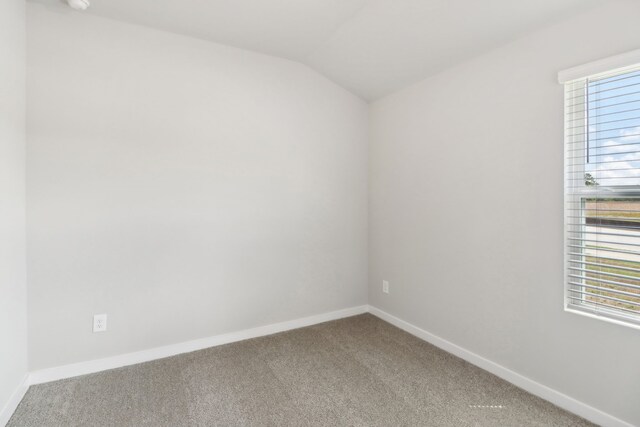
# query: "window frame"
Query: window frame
577,195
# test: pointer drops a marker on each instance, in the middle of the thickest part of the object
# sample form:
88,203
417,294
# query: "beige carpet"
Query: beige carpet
358,371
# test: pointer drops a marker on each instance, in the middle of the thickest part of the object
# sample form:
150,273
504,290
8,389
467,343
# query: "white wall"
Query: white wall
13,292
466,212
184,188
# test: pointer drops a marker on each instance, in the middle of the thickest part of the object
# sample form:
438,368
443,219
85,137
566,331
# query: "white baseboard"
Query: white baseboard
14,401
559,399
92,366
82,368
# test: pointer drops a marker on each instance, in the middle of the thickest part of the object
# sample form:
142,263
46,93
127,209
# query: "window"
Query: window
602,195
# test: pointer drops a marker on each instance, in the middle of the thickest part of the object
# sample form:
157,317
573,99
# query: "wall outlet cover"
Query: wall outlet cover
99,323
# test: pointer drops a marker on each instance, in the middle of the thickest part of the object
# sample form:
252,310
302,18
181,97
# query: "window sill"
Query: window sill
628,324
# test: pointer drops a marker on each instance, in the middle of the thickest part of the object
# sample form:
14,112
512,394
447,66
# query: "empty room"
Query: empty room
319,213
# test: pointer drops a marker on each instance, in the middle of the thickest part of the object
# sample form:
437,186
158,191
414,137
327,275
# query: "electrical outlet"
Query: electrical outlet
385,286
99,323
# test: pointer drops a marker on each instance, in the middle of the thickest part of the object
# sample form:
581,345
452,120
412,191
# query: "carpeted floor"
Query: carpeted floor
358,371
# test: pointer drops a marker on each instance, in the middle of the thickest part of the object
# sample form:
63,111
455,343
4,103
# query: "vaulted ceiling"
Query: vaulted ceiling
371,47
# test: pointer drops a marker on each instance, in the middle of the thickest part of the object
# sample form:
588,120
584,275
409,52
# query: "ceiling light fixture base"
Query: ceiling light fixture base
78,4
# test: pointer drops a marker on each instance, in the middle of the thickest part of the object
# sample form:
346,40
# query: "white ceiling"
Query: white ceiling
371,47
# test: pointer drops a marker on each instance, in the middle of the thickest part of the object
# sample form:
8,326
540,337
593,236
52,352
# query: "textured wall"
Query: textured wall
13,292
184,188
466,212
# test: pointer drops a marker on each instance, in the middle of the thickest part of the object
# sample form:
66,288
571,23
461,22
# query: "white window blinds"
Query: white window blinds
602,195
